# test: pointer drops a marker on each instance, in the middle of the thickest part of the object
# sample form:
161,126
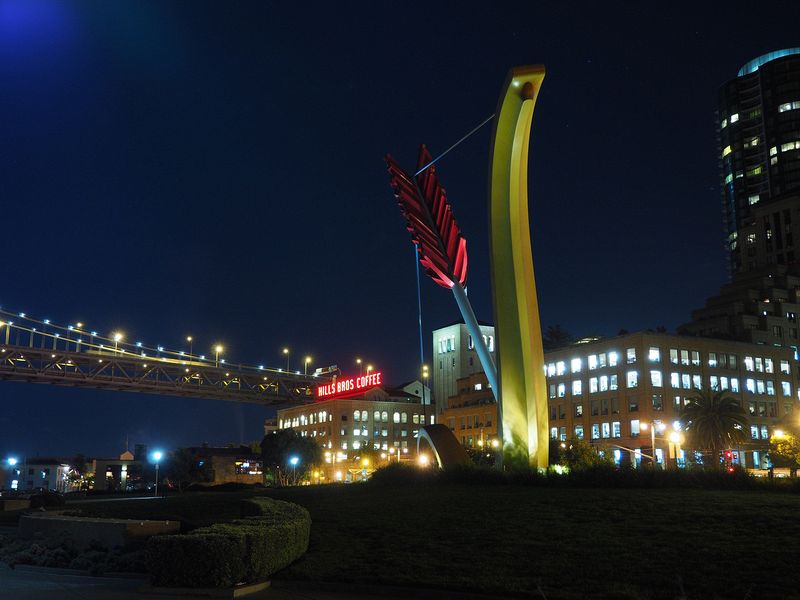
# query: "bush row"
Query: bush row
596,476
270,535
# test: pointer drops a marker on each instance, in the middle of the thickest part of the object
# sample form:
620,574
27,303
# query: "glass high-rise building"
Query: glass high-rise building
759,144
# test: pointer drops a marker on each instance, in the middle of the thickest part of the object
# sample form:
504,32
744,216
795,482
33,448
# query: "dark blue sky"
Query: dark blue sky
215,169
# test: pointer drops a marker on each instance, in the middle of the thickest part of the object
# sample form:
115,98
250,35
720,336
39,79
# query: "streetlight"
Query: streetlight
307,360
190,340
117,336
423,460
358,362
217,351
425,375
293,461
653,425
157,456
286,352
369,368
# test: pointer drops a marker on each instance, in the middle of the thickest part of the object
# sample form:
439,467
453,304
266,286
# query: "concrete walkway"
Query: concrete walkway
35,583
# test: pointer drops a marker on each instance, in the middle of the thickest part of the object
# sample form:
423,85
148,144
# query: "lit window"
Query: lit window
635,427
675,380
697,382
632,379
753,199
723,383
760,386
713,383
575,364
579,432
593,385
655,378
764,432
612,382
759,364
592,362
385,417
728,178
686,381
595,431
673,356
770,388
604,383
753,171
724,124
562,390
551,370
754,431
750,385
470,343
601,360
734,385
606,430
748,363
712,359
734,118
790,146
613,359
726,151
478,387
786,389
654,355
561,367
695,358
630,355
768,365
773,151
616,429
785,367
357,415
576,388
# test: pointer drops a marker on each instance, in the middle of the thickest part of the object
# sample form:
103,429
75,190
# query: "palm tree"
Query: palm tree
714,421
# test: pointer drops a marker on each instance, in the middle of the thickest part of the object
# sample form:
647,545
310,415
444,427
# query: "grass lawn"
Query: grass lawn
570,543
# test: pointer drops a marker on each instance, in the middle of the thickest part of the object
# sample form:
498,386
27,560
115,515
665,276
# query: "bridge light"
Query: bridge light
94,333
22,315
138,344
80,325
70,327
46,321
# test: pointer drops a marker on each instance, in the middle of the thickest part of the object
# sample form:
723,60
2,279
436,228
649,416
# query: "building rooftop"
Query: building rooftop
753,65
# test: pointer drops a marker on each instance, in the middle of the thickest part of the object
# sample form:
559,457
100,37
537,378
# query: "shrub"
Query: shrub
271,535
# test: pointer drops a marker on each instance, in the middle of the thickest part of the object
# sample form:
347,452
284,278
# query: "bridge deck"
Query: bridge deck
124,371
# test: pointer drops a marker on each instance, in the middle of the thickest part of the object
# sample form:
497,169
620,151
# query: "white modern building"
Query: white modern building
454,357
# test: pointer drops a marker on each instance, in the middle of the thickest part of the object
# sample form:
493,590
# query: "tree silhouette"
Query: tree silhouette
714,421
556,337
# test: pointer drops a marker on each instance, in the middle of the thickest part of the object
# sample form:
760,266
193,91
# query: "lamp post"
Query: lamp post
217,351
293,461
157,456
305,365
369,368
358,362
191,341
117,339
425,375
286,352
653,425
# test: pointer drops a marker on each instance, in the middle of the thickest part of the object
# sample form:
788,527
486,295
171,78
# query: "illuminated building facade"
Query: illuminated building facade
454,357
377,421
759,145
759,139
612,391
471,413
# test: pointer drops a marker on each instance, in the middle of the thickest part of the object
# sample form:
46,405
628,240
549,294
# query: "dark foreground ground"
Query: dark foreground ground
530,541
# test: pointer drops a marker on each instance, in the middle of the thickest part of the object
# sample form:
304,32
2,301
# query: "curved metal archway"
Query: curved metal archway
445,446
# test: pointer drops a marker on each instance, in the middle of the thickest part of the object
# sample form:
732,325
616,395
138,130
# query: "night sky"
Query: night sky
215,169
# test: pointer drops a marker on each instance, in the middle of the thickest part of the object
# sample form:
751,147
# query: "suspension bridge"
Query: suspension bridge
38,351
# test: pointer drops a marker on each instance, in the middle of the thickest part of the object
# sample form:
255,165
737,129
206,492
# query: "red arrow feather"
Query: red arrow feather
430,221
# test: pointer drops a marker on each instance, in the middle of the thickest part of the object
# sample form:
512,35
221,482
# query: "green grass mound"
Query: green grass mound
271,535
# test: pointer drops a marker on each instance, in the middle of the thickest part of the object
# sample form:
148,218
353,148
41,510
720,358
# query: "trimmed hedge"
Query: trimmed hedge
271,535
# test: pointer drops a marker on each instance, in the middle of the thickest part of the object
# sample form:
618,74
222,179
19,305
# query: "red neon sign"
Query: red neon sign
349,386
